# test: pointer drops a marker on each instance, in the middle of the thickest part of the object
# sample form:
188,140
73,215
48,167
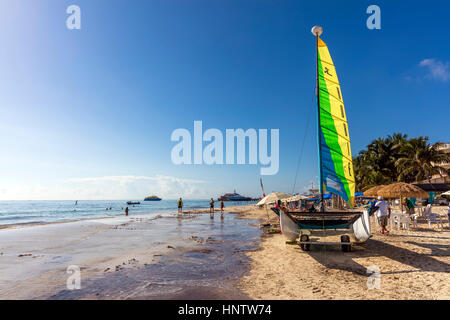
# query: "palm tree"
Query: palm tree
368,172
420,160
384,152
397,158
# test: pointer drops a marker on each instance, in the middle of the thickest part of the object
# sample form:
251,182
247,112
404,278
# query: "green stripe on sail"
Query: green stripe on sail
327,123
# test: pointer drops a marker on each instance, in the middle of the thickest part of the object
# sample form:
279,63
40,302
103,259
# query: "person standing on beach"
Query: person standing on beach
211,208
126,211
222,205
409,205
180,206
383,214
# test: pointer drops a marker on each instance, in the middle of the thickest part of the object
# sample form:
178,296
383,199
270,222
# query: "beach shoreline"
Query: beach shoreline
237,259
111,251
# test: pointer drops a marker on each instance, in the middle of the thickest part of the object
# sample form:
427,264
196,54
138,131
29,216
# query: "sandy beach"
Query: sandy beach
200,258
413,264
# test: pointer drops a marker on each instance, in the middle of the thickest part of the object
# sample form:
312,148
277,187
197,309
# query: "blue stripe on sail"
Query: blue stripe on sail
332,182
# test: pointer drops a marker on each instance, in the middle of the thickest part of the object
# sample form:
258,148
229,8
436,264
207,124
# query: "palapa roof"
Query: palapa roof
401,189
373,192
297,197
273,197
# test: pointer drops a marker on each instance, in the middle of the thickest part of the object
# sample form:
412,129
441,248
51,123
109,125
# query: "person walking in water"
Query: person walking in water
221,209
211,208
126,211
180,206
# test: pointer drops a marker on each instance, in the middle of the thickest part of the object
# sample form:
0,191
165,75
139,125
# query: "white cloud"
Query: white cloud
437,70
111,188
125,179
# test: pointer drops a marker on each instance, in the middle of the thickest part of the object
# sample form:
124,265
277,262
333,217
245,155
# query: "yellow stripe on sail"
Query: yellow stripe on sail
335,105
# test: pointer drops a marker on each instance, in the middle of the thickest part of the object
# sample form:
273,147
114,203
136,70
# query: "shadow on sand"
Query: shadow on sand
333,258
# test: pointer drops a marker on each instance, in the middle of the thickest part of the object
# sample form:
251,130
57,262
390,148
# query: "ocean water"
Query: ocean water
49,211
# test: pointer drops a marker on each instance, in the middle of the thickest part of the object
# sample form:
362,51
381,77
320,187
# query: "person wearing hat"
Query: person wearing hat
383,214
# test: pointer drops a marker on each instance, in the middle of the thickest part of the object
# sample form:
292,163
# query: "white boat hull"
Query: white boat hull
360,229
288,227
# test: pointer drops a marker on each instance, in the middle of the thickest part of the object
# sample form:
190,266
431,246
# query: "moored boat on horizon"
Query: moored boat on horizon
133,202
233,197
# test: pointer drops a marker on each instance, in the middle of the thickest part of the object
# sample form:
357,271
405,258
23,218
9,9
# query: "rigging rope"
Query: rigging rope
304,139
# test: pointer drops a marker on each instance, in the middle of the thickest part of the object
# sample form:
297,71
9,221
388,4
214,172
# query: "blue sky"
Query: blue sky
88,114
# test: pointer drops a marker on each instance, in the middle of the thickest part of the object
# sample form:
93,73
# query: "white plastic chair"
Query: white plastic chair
434,218
414,219
395,220
426,211
404,221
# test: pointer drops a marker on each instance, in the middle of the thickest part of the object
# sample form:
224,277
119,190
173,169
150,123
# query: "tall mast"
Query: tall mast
317,31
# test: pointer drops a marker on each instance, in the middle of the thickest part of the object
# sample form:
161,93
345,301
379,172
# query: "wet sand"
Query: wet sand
192,257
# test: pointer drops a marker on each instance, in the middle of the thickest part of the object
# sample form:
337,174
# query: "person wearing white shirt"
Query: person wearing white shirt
383,214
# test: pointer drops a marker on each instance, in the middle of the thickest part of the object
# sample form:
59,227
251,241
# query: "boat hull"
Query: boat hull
324,220
234,199
355,224
289,228
361,228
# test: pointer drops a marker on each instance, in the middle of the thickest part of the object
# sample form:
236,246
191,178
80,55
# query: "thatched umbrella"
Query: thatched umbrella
273,197
399,190
297,197
373,192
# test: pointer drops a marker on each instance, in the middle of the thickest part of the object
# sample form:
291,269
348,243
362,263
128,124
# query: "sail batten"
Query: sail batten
334,138
338,152
337,175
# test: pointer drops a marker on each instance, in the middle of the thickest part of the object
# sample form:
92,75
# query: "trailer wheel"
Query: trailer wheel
305,246
346,247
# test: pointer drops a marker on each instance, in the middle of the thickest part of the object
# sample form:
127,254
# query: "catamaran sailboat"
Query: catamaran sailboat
335,166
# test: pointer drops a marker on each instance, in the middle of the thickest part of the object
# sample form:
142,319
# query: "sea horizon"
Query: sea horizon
29,212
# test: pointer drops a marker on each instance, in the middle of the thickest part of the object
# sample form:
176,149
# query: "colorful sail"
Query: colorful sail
334,141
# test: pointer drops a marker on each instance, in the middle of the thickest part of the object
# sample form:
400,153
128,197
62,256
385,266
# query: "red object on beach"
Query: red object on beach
262,187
